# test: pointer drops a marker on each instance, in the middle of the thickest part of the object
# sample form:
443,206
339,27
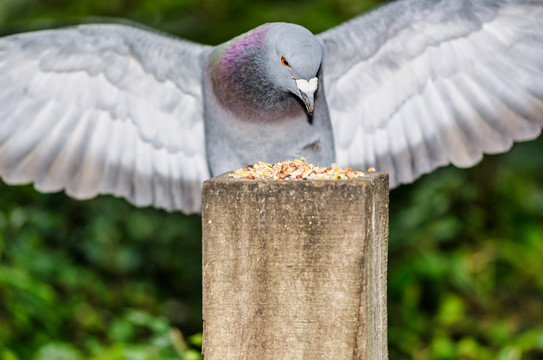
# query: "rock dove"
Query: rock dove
413,85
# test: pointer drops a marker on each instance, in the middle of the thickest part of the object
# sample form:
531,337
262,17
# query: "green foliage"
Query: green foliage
466,250
102,280
97,280
207,21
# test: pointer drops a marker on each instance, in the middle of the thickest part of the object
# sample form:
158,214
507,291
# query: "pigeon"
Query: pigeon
410,86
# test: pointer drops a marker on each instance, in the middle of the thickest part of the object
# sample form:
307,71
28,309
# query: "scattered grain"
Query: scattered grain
295,169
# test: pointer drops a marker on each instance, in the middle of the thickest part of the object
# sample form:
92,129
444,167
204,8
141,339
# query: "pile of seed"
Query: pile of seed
295,169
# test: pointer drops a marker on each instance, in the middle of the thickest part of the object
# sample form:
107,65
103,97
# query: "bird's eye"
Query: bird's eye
284,61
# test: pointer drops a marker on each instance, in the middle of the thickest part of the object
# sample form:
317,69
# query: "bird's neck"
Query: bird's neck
241,82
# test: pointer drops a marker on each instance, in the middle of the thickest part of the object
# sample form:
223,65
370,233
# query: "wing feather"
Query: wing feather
418,84
104,109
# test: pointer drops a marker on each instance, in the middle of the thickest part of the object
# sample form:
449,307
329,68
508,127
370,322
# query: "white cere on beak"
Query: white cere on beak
307,91
307,87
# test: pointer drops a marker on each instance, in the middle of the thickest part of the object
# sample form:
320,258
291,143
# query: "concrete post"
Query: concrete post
295,269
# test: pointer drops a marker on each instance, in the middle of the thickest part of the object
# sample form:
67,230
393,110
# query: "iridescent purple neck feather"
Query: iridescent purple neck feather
241,80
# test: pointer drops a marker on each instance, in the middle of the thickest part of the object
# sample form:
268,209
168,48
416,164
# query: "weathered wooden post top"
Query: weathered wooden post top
295,269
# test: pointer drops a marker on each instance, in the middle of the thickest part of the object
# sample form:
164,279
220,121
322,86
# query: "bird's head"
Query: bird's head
295,57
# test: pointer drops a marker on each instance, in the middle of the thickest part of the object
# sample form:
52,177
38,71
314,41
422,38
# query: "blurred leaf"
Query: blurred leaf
451,310
58,351
6,354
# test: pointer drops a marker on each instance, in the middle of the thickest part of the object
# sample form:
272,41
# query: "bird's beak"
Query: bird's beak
307,93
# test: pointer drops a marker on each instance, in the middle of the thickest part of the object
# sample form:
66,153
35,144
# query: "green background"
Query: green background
102,280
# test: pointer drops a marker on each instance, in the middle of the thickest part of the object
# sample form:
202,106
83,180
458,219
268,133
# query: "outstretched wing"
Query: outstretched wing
419,84
104,109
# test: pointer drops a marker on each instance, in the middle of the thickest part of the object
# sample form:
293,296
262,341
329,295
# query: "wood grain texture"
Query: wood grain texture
295,269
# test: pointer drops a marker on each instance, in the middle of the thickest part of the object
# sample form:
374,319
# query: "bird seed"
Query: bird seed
296,169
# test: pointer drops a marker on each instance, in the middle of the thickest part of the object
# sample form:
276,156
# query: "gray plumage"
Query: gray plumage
413,85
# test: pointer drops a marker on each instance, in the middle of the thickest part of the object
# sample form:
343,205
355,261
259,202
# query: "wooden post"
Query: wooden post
295,269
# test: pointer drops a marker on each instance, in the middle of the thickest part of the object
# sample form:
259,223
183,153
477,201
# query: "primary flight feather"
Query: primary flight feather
413,85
